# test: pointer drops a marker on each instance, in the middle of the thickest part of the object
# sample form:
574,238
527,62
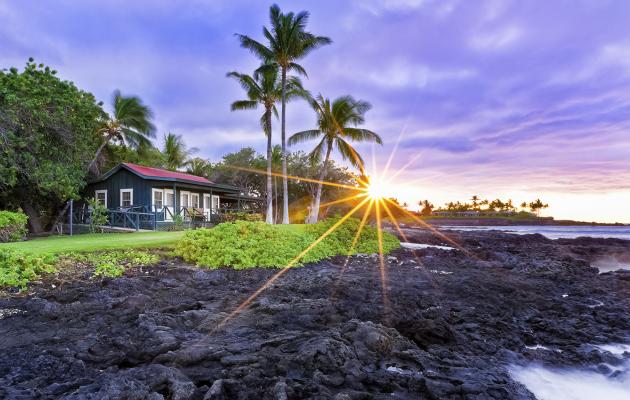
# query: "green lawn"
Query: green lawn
96,241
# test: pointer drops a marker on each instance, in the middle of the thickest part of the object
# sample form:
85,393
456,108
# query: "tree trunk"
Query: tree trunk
98,153
275,197
34,220
314,216
269,218
285,184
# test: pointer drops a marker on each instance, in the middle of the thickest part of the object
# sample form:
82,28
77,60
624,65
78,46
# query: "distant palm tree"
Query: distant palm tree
475,202
336,124
265,89
175,152
199,166
288,42
427,207
130,125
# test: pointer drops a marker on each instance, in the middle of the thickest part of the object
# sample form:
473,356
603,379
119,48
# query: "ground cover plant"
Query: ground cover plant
113,263
244,244
18,268
12,226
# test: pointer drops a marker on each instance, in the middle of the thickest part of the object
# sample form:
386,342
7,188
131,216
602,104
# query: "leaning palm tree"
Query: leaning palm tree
264,88
288,42
175,152
130,125
336,124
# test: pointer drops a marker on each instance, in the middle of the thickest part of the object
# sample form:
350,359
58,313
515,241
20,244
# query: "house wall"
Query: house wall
142,189
122,179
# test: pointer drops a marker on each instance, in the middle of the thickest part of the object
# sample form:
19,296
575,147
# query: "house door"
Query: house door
169,204
207,209
184,201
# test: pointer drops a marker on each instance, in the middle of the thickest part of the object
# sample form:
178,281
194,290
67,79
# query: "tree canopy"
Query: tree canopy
47,137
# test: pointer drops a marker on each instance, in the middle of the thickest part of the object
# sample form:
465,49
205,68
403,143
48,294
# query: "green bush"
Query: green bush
114,263
241,216
98,215
243,244
12,226
17,268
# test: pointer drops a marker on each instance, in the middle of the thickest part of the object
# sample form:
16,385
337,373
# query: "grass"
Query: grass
96,242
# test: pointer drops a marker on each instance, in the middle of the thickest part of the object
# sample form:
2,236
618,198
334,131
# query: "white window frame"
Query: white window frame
171,208
181,195
97,192
213,209
130,191
192,203
153,192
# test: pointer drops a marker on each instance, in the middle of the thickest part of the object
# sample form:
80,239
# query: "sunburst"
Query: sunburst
373,194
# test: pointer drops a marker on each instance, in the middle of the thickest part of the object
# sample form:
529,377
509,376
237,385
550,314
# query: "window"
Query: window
101,196
215,203
126,197
195,200
185,199
170,197
158,199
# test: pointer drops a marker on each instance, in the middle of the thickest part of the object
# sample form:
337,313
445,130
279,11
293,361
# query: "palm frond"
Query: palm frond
257,48
362,135
304,136
244,105
349,153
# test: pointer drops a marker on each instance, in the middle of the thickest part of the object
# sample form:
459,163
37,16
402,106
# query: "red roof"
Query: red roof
151,172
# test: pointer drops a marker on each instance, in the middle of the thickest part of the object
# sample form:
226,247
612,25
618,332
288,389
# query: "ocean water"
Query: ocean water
579,384
555,232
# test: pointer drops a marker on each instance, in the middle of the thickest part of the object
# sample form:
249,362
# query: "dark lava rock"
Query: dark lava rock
446,326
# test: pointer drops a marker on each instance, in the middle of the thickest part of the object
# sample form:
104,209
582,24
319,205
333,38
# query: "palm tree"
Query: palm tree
130,124
265,89
199,166
336,124
475,202
175,152
288,42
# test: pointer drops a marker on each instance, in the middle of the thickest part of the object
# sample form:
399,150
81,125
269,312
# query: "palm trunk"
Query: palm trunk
269,218
285,184
275,197
98,153
318,195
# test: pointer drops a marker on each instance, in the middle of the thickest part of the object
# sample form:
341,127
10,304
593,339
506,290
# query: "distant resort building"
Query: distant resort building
141,197
472,214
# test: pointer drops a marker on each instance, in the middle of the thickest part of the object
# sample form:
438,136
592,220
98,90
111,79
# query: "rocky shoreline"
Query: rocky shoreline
450,325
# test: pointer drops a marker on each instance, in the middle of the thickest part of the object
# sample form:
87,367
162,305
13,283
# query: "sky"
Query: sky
509,99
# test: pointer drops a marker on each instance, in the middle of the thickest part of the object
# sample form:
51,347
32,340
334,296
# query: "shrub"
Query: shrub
98,215
12,226
241,216
114,263
243,244
17,268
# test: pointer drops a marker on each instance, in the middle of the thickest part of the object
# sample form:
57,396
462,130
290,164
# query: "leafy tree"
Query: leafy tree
144,154
176,153
288,41
336,125
47,130
130,125
264,88
235,169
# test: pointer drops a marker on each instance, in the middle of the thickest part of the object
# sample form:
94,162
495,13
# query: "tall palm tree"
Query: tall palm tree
265,88
199,166
288,42
130,125
175,151
336,124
